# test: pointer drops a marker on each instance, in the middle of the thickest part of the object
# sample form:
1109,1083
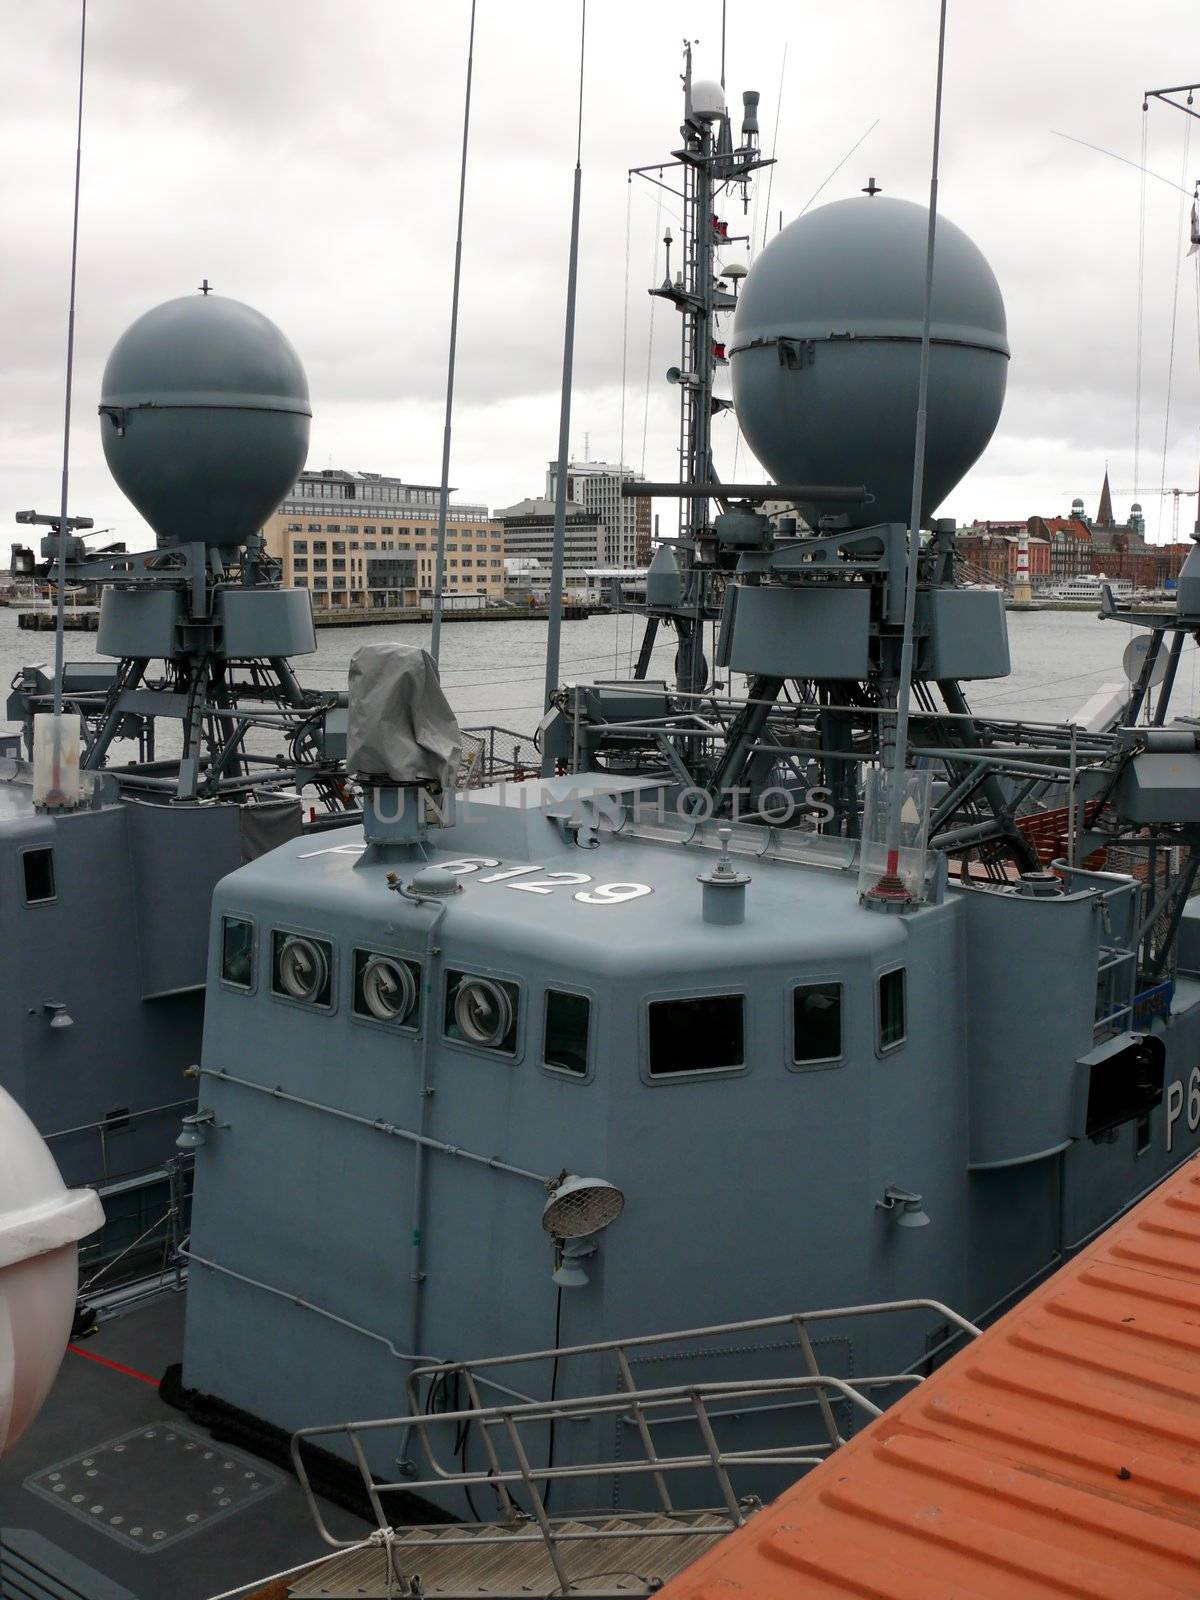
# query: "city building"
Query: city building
1070,542
527,582
989,551
596,485
529,534
365,539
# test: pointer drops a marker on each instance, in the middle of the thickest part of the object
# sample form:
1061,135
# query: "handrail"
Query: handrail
701,1403
524,1473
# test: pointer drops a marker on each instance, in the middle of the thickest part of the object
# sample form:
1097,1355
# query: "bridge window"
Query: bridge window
387,989
816,1023
237,952
302,969
482,1012
704,1033
38,867
566,1043
891,1014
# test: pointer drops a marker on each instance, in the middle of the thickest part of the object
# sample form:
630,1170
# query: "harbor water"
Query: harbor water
494,672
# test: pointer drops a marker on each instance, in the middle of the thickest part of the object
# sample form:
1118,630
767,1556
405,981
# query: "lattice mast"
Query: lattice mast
710,167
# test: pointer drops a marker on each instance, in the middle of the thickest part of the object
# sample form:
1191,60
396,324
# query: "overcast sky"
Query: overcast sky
303,155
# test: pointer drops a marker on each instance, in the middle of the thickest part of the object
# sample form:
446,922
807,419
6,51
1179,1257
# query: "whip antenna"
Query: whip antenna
60,617
439,565
554,630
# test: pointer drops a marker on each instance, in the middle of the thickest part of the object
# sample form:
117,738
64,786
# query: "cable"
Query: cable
625,319
774,145
1141,297
549,1485
1187,136
650,337
839,167
1100,150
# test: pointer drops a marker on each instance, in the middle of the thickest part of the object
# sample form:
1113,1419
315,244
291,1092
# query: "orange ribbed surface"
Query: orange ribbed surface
1059,1455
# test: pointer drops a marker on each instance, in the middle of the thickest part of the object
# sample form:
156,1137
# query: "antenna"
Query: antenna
439,565
891,884
554,629
63,529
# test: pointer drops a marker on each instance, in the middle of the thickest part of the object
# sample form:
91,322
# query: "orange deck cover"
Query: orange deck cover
1058,1455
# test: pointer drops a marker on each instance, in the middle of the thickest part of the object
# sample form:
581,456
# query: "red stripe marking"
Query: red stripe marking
117,1366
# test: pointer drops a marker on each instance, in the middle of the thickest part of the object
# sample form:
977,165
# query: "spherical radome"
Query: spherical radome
826,348
204,418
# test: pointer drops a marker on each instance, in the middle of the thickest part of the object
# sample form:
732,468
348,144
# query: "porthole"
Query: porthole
302,969
481,1011
386,988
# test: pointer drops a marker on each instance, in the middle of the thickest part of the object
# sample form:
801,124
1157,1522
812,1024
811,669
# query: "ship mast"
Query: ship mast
709,166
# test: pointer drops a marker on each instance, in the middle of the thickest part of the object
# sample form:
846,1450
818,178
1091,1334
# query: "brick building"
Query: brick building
989,550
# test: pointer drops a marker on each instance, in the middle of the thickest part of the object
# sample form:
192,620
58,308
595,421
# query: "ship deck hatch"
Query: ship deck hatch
155,1485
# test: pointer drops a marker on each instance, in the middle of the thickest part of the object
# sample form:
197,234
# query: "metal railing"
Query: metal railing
492,754
504,1428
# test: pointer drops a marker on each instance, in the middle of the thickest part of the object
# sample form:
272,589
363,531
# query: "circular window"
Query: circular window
303,968
389,990
483,1011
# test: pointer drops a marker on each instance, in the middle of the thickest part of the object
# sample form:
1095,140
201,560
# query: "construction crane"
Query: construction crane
1176,493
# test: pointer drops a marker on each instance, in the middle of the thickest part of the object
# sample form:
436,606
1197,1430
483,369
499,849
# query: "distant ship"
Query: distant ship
1089,586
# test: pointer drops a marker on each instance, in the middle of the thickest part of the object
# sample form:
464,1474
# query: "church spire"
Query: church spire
1104,517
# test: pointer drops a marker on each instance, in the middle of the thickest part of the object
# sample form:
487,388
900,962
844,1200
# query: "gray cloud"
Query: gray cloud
303,155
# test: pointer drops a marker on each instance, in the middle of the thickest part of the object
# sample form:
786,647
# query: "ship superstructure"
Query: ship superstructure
140,779
805,1035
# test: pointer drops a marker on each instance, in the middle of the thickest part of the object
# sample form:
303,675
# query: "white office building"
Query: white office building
596,485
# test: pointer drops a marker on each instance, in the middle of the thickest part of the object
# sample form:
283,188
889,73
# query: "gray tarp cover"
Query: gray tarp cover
401,724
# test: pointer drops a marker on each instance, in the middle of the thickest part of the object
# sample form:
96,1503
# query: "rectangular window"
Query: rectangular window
299,547
300,564
338,563
333,527
891,1009
38,867
314,527
566,1044
339,547
320,547
703,1034
237,952
816,1022
320,564
302,583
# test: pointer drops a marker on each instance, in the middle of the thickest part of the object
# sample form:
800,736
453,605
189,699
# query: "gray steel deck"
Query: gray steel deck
108,1439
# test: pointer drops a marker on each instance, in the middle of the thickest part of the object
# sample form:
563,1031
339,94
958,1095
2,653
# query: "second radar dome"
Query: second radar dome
826,351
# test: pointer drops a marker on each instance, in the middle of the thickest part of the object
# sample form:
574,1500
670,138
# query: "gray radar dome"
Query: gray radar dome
826,351
204,415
